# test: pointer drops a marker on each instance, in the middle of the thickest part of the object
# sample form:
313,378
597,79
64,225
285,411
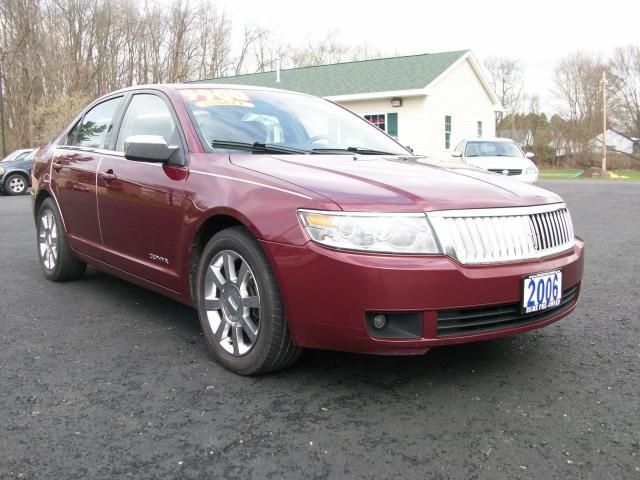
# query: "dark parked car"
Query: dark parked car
17,154
15,172
288,222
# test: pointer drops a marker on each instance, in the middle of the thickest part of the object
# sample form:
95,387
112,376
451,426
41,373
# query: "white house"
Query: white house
621,142
429,102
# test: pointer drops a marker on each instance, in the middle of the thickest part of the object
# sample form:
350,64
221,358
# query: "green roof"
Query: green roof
364,76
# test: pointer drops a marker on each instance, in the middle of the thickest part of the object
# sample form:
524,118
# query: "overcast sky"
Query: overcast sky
537,32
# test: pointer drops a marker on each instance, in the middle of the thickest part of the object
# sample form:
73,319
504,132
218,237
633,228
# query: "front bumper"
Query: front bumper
528,177
327,294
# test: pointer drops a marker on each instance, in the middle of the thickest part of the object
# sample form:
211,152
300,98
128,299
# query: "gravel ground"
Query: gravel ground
102,379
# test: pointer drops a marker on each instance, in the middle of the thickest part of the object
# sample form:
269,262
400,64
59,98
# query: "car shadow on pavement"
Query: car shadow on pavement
439,364
446,361
139,300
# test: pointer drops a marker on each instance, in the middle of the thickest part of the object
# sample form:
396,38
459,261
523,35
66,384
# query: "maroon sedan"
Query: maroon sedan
289,222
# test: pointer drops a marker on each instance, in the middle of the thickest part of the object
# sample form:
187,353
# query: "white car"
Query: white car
499,155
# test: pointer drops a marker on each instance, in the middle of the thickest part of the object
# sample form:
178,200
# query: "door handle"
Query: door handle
107,176
57,165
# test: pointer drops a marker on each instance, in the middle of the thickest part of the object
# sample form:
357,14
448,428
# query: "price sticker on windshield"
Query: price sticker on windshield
210,97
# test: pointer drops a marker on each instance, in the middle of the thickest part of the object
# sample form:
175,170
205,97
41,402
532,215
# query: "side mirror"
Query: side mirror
409,148
148,148
529,154
456,154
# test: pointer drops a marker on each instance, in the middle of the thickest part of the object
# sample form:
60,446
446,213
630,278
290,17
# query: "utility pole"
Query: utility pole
604,122
4,143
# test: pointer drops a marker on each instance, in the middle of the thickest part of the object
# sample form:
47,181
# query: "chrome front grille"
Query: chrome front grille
495,235
509,171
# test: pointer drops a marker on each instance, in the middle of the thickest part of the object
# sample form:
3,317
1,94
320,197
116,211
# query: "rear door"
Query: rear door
140,203
73,175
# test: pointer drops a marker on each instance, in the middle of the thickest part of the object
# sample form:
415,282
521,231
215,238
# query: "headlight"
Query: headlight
531,170
1,171
371,232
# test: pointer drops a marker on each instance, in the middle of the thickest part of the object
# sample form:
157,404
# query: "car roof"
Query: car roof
494,139
232,86
218,86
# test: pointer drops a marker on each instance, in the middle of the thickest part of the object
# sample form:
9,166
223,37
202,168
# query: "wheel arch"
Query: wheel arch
24,174
213,222
40,198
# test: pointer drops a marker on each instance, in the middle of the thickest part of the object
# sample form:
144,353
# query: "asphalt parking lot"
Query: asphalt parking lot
102,379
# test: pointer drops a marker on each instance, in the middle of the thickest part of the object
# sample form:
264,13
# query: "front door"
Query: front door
73,176
140,203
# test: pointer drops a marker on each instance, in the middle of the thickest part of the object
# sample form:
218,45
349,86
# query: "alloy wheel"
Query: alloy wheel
232,302
17,185
48,240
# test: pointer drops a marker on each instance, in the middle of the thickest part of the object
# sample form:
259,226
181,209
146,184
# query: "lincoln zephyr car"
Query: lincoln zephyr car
290,222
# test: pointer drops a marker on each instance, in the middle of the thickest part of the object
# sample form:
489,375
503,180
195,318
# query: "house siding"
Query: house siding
616,142
459,94
411,117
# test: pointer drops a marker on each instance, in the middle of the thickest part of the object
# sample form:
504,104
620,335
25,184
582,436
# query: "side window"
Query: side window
458,148
447,131
93,130
147,114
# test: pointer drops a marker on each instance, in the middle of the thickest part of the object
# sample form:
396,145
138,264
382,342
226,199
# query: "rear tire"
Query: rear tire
56,259
16,184
240,307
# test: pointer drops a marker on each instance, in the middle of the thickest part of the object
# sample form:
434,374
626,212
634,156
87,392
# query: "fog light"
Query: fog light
379,321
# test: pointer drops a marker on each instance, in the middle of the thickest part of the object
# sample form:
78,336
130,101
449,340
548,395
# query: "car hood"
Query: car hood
499,162
376,183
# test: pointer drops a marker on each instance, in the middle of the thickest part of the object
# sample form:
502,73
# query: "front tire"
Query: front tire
240,307
16,184
56,259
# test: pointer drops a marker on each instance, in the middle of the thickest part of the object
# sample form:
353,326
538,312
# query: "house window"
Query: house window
378,119
479,129
447,132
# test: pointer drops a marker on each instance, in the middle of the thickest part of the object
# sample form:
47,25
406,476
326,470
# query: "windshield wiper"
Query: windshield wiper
263,147
348,150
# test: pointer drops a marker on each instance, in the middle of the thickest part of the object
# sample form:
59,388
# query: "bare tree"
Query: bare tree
624,69
320,52
214,34
252,36
577,86
181,44
365,51
264,54
505,76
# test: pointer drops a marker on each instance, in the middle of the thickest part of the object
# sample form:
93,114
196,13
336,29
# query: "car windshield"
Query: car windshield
492,149
281,122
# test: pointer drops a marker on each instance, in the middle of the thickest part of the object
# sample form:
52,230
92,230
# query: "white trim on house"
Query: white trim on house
374,95
477,70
